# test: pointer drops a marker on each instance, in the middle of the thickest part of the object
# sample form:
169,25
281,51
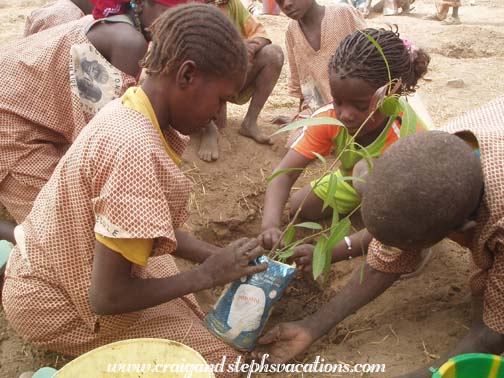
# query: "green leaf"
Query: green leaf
287,251
320,157
281,172
309,225
366,155
338,232
328,259
319,257
333,186
409,119
335,219
390,107
289,235
309,122
285,255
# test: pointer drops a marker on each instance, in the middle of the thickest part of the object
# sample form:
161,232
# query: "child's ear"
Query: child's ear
378,97
186,74
395,89
382,93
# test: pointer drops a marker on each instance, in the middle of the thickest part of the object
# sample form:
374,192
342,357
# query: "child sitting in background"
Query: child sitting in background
265,65
313,34
357,75
53,14
442,9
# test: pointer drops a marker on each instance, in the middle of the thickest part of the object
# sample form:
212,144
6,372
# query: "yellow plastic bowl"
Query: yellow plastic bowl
135,358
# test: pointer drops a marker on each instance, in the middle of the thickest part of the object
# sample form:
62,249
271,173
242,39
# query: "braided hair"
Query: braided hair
358,57
196,32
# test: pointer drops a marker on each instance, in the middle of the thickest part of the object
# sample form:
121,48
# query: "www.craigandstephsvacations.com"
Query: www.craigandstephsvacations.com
239,365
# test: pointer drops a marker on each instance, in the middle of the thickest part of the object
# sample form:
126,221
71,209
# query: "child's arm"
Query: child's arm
287,340
192,249
356,245
120,44
114,291
276,197
294,82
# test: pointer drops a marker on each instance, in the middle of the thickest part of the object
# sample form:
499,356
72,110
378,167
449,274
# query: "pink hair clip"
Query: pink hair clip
407,43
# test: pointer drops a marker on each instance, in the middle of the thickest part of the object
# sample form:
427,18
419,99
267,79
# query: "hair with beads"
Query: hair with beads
196,32
358,57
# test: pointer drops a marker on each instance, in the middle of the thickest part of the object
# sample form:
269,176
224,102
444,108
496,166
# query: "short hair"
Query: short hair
422,188
196,32
357,57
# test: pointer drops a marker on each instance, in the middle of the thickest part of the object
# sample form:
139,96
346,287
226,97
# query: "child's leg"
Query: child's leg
442,9
344,198
7,231
454,19
209,146
455,12
263,76
311,207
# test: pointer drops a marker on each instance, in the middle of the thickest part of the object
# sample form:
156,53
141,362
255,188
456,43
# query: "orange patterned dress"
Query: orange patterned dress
52,14
124,181
53,83
488,244
309,72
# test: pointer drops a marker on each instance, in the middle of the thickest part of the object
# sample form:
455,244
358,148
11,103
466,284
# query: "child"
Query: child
312,36
357,72
449,183
57,13
55,81
92,264
442,8
265,64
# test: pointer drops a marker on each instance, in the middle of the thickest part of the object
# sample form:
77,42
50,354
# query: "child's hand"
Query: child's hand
269,237
232,262
303,256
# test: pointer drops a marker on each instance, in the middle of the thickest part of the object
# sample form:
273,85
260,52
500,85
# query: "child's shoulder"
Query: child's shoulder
326,110
341,12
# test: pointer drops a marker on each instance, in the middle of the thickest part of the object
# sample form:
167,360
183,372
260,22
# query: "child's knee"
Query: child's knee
273,55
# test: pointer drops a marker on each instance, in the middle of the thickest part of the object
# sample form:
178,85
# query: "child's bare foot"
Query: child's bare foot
432,17
209,147
250,130
451,21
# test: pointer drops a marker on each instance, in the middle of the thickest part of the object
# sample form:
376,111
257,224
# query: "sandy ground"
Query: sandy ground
417,319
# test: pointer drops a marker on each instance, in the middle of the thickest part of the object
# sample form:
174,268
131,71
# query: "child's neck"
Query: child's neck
367,139
157,97
311,25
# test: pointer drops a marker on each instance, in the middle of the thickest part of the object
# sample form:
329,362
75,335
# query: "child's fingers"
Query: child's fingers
248,246
265,240
239,243
253,269
298,253
303,260
269,336
255,252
